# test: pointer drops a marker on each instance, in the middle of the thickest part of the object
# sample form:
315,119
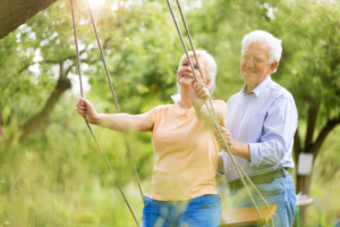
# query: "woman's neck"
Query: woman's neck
185,102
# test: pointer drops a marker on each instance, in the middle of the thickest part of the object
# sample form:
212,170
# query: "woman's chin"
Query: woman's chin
184,84
184,81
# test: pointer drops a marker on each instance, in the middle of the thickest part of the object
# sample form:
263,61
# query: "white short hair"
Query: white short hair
211,70
275,48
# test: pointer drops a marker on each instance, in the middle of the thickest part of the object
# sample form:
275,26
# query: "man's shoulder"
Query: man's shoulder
277,91
235,96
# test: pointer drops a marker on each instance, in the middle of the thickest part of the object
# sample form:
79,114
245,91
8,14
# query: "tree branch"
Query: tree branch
315,149
57,61
44,115
106,43
16,12
313,110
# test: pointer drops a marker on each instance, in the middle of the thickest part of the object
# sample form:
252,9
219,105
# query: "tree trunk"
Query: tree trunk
14,13
303,185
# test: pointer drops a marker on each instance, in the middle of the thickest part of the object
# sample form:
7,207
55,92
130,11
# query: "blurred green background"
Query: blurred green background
51,172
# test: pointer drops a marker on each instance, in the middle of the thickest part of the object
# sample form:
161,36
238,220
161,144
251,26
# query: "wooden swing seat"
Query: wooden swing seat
247,216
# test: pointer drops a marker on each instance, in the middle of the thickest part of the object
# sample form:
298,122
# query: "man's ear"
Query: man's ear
274,66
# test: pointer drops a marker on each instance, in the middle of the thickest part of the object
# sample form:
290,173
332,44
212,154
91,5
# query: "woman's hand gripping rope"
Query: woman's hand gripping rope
86,109
198,93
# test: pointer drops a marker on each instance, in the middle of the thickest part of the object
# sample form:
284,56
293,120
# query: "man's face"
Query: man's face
255,66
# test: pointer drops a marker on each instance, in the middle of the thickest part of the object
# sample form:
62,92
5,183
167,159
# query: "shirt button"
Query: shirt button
246,100
240,115
235,133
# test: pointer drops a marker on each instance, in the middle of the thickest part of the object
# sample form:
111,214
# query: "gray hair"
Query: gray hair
211,70
275,48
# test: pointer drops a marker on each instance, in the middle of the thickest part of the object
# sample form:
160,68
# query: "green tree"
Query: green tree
39,118
138,48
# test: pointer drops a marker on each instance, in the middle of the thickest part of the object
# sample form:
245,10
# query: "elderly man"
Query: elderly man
260,129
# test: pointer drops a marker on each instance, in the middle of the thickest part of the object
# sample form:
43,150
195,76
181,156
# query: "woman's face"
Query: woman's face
185,74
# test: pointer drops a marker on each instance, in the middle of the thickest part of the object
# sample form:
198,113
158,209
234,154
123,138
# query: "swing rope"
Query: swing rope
88,125
238,168
114,98
194,51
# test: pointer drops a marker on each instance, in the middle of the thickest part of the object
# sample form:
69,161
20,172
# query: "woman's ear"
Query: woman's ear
207,81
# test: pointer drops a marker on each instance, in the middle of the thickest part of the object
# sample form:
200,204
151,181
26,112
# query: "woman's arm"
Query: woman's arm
120,122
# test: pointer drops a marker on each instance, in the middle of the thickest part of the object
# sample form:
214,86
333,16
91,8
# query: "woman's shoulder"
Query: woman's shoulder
163,107
222,105
219,102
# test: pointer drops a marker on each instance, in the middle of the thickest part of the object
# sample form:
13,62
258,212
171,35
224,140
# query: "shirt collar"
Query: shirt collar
259,88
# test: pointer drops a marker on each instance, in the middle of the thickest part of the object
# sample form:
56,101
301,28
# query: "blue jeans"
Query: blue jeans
280,192
203,211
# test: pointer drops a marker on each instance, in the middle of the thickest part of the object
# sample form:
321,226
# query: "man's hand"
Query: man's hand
237,148
85,109
226,135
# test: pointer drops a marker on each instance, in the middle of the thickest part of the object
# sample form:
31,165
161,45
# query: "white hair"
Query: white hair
275,48
211,70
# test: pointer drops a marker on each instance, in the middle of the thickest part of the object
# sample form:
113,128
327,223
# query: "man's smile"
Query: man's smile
249,71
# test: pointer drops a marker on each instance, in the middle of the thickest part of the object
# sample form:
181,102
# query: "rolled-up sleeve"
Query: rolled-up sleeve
278,132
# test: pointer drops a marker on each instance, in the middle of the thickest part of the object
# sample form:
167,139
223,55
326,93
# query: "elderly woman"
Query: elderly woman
183,191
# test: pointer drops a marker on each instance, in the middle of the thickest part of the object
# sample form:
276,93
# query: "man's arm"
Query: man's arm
279,128
237,148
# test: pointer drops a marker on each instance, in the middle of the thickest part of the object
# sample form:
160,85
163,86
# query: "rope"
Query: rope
114,98
88,125
193,50
238,168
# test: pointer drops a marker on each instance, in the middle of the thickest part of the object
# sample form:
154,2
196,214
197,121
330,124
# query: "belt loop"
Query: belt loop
284,172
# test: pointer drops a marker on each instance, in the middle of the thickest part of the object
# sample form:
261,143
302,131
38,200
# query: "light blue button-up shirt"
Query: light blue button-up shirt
266,119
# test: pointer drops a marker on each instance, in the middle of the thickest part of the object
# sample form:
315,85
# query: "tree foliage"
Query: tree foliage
51,172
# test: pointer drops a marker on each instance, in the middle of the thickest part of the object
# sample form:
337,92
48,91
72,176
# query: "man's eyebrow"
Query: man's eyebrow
257,56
